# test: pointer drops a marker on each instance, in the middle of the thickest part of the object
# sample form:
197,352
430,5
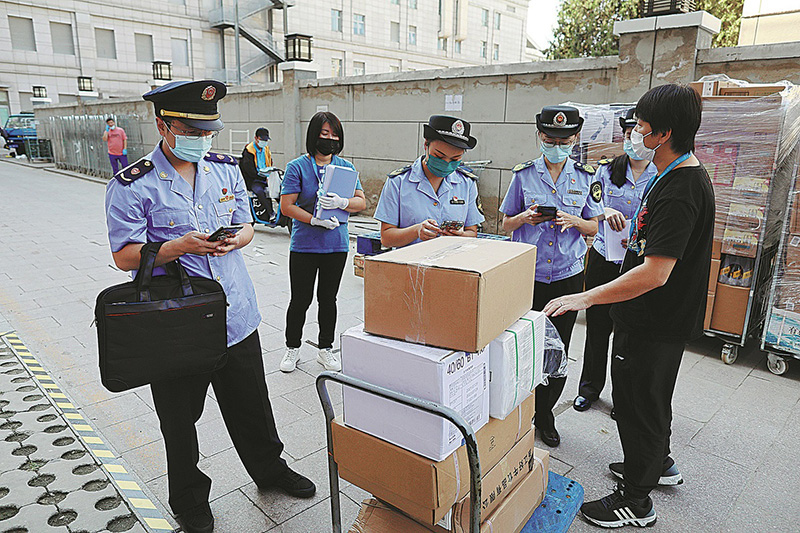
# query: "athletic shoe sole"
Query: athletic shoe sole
647,521
663,481
336,368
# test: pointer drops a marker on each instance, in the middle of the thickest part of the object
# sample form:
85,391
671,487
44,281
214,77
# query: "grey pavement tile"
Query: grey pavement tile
149,461
20,492
226,471
304,437
308,399
559,467
580,434
286,412
95,509
133,433
699,399
159,488
71,476
86,394
213,438
118,409
33,518
713,369
235,512
356,494
280,383
318,518
73,378
766,399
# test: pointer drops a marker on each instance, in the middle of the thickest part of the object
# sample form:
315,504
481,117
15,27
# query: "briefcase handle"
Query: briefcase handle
145,274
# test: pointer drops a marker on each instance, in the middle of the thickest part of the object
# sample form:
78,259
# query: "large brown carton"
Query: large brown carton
451,292
730,308
510,516
424,489
713,276
709,309
751,90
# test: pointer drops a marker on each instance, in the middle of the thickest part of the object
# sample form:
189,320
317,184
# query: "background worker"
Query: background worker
433,196
624,179
318,249
553,202
117,141
256,159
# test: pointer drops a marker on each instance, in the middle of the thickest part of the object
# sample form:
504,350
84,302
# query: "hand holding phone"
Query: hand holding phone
548,212
224,232
451,225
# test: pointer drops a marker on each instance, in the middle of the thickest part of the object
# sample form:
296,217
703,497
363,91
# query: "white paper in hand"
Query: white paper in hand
614,248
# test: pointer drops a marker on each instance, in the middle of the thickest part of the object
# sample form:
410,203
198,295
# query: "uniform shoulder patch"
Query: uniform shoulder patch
605,161
221,158
596,190
133,172
399,171
589,169
523,166
467,172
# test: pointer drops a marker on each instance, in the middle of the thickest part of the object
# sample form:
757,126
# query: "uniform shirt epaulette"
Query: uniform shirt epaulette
605,161
133,172
523,166
467,172
399,171
221,158
589,169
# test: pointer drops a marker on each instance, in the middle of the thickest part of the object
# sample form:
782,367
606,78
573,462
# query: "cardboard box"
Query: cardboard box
783,330
713,276
794,223
516,363
510,516
459,380
741,243
751,90
453,292
745,217
358,265
730,308
709,310
716,249
792,260
710,88
424,489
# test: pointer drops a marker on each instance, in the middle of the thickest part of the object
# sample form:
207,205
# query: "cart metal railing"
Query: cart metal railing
416,403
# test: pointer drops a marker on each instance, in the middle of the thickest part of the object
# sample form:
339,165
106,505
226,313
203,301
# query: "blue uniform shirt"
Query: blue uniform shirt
559,255
408,198
303,176
625,199
161,206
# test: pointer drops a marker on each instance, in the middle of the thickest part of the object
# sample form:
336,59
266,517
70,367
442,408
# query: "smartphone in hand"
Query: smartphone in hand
548,212
224,232
451,225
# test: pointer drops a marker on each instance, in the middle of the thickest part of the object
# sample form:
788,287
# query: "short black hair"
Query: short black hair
675,108
315,127
262,133
109,119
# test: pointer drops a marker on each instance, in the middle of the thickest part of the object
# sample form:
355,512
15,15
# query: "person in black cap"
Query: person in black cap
624,179
553,202
435,195
178,195
256,159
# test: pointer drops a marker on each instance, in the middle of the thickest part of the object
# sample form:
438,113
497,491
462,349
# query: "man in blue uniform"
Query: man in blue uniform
179,194
434,195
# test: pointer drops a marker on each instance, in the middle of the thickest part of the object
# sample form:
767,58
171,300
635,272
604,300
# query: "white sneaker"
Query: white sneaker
329,360
289,361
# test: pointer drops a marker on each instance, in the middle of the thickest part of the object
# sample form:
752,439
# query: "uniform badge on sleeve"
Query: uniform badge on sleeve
596,190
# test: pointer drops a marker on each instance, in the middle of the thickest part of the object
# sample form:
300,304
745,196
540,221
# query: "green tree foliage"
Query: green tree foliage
730,13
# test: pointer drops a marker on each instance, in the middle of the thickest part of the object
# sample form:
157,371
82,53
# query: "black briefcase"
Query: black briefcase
160,327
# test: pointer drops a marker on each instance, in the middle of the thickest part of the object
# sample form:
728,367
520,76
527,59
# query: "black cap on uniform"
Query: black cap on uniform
559,121
629,120
452,130
192,102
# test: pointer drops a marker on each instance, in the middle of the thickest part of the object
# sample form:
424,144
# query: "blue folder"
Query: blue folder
342,181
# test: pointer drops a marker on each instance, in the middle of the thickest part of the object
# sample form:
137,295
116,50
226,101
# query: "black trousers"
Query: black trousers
643,376
241,391
547,395
304,270
260,190
598,328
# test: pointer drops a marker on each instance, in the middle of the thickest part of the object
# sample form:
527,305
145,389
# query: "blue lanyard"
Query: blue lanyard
654,180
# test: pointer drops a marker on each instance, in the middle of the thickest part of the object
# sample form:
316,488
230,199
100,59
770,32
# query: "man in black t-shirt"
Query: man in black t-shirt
659,301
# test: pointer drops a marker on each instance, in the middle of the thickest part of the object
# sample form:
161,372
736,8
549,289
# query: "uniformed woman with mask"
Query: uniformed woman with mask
434,196
624,180
554,202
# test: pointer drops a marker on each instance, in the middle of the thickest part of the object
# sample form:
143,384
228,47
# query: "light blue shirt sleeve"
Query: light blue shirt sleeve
474,217
125,216
291,179
388,210
513,203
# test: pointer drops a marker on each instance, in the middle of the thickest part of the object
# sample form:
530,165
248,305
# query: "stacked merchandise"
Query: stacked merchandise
449,321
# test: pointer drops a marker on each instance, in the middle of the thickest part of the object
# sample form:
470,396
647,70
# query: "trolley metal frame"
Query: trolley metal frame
423,405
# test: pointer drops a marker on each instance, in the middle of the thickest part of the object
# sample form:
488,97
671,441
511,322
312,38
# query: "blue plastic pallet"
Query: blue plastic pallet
558,509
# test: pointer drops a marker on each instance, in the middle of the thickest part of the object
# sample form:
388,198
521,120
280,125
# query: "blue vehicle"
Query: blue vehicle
17,128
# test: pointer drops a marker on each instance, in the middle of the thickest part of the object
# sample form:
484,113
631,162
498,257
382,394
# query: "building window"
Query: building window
395,32
337,69
180,52
359,68
457,47
336,20
213,51
359,25
144,47
443,44
105,43
394,68
496,20
61,35
412,35
483,49
22,37
496,52
485,18
412,4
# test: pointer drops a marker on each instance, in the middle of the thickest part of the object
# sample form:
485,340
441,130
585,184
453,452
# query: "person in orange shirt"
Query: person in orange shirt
117,142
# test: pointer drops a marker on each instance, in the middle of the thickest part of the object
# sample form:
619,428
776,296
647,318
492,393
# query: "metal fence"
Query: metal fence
78,145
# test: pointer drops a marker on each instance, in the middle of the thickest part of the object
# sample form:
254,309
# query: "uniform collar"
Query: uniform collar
541,168
423,183
179,185
649,171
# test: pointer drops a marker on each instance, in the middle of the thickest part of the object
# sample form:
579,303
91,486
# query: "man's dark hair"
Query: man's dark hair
262,133
109,119
315,127
672,107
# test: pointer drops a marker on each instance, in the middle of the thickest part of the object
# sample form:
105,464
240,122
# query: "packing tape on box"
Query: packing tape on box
458,479
533,337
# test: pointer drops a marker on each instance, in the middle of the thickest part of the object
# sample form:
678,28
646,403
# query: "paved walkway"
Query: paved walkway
736,428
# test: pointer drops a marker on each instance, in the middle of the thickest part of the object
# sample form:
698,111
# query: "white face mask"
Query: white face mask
642,151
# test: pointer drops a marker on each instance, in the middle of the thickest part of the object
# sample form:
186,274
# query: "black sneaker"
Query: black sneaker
294,484
196,520
615,510
670,476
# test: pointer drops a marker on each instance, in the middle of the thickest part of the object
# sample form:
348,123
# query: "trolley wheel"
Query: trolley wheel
777,364
729,354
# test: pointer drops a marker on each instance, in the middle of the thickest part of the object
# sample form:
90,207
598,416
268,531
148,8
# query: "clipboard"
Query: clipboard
339,180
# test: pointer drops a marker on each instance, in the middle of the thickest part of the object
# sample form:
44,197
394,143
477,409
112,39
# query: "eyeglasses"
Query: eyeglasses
549,144
192,135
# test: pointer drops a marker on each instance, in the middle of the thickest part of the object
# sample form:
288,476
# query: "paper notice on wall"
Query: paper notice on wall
453,102
322,108
598,126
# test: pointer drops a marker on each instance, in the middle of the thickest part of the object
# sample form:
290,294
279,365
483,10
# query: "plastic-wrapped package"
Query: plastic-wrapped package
555,356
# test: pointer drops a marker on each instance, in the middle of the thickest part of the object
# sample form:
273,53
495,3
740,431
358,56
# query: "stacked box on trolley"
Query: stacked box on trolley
449,321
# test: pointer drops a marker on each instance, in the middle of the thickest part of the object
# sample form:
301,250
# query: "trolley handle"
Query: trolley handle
423,405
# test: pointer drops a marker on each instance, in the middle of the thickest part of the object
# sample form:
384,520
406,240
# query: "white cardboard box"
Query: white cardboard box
516,363
455,379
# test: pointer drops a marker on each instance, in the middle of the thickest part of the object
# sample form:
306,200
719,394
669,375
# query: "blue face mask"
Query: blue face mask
192,150
441,168
555,154
628,147
261,144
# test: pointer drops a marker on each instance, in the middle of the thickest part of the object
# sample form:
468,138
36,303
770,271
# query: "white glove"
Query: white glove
331,223
333,201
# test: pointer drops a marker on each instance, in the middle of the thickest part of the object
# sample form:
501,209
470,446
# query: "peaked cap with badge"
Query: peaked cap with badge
452,130
559,121
192,102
